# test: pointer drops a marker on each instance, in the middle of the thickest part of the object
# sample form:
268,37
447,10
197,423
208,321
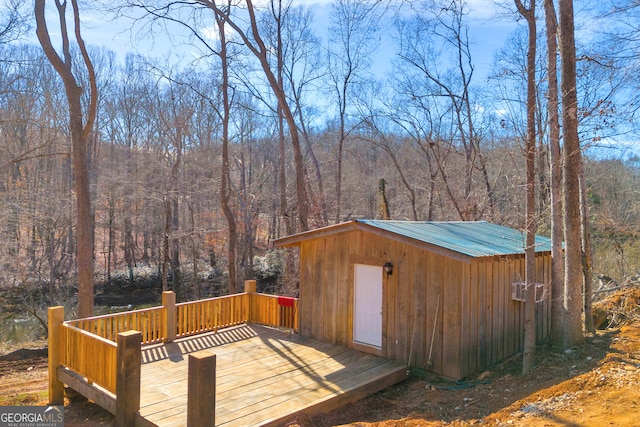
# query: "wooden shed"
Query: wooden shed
439,295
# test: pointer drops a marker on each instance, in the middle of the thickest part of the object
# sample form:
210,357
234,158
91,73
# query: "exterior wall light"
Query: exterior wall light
388,268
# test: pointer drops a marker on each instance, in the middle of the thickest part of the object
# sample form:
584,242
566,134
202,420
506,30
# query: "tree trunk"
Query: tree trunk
433,174
195,284
572,156
225,185
111,243
79,139
322,199
257,47
165,245
83,226
384,204
247,220
557,264
129,247
176,277
339,156
587,251
282,176
50,244
529,354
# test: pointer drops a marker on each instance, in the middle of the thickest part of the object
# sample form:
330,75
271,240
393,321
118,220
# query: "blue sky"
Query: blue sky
488,32
487,29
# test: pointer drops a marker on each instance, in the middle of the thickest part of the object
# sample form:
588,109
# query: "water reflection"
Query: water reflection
16,329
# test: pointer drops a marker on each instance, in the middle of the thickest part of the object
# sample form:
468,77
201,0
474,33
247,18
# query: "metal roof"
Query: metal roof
471,238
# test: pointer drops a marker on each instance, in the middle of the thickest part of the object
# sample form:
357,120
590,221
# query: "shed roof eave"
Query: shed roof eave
298,238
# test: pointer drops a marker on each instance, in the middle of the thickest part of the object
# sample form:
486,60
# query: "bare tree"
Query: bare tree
555,163
254,42
36,190
352,45
390,144
81,125
276,17
174,110
302,69
529,353
126,110
572,157
225,187
439,27
13,21
617,49
420,117
236,17
587,252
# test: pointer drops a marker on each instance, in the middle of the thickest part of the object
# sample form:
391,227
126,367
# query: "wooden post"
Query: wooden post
129,360
201,395
56,346
169,302
249,289
250,286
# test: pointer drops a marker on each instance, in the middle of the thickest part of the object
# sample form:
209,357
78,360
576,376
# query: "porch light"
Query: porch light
388,268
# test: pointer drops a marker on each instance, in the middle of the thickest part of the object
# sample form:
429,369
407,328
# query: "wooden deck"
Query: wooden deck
264,377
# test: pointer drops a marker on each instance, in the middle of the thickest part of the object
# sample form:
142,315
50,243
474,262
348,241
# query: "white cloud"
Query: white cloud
481,9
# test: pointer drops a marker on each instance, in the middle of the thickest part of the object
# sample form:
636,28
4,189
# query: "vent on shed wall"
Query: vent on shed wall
519,291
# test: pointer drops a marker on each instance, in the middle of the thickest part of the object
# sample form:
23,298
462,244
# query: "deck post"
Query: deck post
249,290
169,303
129,360
250,286
201,395
55,344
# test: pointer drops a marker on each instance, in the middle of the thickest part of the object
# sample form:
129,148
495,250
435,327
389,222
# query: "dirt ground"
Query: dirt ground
595,384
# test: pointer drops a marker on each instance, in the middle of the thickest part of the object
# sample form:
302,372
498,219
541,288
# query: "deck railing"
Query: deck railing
90,355
89,346
150,322
196,317
274,311
171,320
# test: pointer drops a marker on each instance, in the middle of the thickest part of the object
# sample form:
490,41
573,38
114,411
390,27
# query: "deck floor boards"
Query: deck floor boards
264,376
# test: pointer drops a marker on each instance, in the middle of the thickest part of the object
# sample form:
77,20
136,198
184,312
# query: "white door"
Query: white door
367,305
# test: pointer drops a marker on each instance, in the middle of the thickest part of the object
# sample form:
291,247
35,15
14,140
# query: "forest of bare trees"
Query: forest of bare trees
268,127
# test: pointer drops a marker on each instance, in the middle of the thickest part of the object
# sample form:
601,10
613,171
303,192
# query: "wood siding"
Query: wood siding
465,308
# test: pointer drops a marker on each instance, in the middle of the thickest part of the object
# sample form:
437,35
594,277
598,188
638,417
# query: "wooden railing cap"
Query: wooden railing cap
129,333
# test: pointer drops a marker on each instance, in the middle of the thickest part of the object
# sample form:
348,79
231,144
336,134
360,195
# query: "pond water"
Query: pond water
20,329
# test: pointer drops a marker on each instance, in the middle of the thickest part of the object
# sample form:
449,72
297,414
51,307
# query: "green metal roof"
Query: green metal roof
471,238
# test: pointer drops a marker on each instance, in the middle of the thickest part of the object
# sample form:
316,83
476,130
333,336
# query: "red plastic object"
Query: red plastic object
286,301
